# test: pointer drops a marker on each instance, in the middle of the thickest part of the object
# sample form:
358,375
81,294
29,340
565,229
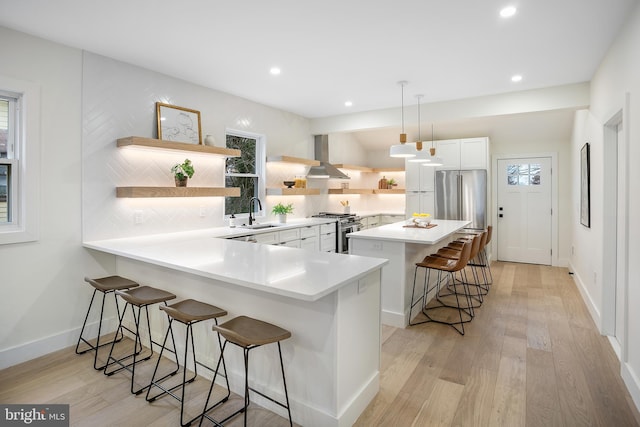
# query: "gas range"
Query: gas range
343,217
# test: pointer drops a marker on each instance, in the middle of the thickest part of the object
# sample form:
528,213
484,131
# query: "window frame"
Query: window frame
260,172
25,188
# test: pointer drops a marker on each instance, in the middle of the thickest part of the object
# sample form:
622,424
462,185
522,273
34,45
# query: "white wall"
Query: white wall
119,101
617,76
43,293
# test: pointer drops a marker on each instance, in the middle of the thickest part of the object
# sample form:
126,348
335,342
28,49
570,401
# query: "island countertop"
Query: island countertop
399,233
295,273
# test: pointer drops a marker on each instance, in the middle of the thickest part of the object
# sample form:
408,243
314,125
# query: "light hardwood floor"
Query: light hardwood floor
531,357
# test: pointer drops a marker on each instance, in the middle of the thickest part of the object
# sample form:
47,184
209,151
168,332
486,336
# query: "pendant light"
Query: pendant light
422,156
434,161
403,149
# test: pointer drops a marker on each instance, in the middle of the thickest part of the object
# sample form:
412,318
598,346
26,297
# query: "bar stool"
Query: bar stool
188,312
452,251
449,267
141,297
482,259
249,333
106,285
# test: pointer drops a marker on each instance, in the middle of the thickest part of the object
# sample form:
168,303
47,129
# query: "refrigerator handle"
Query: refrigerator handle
460,187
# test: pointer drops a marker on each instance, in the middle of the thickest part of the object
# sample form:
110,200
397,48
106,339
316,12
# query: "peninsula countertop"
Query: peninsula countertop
295,273
400,233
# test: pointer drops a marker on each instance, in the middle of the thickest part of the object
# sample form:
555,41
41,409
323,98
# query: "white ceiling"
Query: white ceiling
331,51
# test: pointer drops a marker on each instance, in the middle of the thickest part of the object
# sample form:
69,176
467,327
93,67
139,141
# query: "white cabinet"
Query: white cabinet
310,237
449,151
266,238
420,182
390,219
287,236
420,202
466,153
419,177
370,222
328,239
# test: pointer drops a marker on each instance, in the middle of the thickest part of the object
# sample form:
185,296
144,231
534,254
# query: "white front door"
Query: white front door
524,210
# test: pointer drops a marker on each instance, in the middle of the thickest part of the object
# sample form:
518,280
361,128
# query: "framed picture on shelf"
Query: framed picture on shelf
585,186
178,124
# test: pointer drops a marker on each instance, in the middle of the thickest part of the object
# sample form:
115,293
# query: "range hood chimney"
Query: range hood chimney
325,170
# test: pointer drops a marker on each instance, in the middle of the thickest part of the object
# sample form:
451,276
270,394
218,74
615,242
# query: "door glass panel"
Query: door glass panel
524,174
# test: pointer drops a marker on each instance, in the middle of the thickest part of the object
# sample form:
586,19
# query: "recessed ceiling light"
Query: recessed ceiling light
348,103
275,71
508,12
516,78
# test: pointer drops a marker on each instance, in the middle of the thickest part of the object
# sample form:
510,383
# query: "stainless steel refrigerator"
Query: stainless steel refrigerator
462,195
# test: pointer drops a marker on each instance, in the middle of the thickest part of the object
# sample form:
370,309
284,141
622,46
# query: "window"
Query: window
523,174
9,197
19,152
245,172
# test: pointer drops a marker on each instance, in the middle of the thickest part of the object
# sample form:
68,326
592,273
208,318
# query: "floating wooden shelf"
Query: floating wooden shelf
350,191
138,192
138,141
292,191
390,191
367,169
289,159
353,167
380,170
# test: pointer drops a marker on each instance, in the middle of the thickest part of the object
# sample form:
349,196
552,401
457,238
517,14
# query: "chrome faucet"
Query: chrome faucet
251,206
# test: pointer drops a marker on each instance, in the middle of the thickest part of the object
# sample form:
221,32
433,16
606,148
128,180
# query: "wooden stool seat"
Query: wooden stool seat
145,295
106,285
246,331
190,310
111,283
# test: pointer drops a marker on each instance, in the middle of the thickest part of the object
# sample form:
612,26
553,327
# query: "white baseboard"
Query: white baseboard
632,382
33,349
593,310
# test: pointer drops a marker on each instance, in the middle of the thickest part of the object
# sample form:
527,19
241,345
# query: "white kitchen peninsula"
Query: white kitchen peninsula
330,302
403,247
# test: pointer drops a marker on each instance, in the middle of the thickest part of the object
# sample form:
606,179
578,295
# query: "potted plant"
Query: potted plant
392,183
282,211
182,172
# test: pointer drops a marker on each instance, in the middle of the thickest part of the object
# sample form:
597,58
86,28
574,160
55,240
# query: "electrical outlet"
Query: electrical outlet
203,211
573,250
138,217
595,277
376,246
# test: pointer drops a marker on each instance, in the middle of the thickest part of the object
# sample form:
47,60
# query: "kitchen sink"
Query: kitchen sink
257,226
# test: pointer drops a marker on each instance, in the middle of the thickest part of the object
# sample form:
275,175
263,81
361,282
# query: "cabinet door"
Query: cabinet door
328,242
267,238
449,152
427,202
311,243
473,153
418,177
412,176
412,203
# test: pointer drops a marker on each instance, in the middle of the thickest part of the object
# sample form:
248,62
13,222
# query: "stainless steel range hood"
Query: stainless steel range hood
325,170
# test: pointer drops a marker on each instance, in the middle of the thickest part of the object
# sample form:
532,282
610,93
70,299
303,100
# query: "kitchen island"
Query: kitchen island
330,303
403,247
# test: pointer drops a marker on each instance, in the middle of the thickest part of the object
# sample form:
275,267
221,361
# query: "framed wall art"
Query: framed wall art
178,124
585,186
